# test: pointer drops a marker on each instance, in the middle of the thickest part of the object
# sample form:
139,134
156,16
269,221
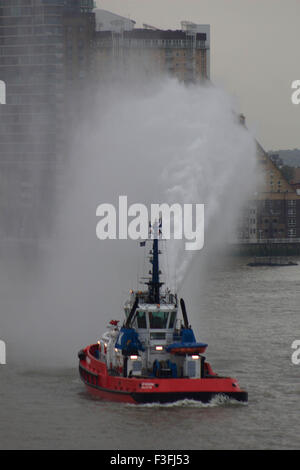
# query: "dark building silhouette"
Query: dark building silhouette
35,64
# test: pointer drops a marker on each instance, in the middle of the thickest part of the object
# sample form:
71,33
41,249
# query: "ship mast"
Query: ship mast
155,284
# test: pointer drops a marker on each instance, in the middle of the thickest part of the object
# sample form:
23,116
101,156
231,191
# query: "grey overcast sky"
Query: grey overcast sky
255,55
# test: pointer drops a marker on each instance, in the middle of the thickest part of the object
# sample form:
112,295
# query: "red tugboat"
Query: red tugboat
153,357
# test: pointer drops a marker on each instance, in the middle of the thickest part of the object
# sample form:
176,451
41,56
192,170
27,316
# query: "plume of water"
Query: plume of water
155,141
213,163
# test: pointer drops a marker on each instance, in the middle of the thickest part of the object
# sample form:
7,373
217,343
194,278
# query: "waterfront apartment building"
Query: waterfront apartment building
182,53
272,215
43,50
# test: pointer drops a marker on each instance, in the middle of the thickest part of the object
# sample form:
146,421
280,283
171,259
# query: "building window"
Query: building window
268,203
291,232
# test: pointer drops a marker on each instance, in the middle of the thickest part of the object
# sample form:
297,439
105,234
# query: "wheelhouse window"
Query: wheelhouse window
141,320
172,320
158,320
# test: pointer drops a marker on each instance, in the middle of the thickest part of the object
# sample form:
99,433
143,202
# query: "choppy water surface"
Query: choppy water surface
249,317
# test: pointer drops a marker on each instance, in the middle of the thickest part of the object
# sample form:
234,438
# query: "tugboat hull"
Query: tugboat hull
140,390
165,397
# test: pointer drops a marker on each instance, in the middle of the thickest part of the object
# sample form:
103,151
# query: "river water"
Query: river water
249,317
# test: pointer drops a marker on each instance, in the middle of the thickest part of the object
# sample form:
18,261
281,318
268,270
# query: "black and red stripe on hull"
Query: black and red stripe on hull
164,397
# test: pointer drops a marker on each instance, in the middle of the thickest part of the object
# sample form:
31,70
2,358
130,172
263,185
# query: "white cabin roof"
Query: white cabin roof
153,307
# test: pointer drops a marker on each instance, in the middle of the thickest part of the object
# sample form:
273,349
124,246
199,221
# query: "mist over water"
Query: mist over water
154,141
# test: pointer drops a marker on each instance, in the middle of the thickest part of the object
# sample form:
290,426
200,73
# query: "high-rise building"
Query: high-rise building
35,66
182,53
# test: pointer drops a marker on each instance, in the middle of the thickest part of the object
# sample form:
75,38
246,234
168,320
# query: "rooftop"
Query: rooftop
140,33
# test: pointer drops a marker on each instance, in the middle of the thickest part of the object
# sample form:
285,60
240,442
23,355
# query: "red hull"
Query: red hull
152,389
